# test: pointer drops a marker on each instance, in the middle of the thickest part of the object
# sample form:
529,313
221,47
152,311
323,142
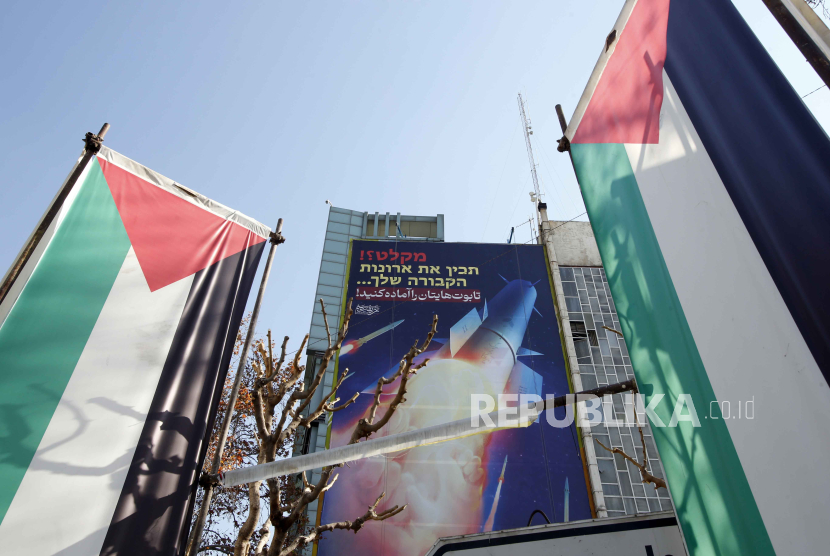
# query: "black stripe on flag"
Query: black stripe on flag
771,154
151,517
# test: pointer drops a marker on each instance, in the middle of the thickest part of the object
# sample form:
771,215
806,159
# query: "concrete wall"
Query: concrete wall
574,243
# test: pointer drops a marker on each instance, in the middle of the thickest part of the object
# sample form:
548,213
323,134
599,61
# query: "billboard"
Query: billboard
497,333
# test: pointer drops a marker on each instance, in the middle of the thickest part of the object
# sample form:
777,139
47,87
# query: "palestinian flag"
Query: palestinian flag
114,345
707,183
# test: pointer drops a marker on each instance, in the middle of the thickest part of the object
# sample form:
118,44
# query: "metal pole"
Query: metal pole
198,528
563,123
807,31
528,132
407,440
92,146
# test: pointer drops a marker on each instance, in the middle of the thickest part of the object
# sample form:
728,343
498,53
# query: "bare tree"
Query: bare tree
281,406
230,506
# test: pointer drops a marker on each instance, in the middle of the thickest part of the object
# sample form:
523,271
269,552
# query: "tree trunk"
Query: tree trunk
242,545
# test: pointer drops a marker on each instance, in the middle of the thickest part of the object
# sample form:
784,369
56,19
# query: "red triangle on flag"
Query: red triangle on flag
625,106
172,238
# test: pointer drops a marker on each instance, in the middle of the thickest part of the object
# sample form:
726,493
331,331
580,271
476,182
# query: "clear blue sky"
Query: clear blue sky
379,106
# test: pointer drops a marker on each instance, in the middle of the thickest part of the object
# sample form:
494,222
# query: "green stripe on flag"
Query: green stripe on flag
712,496
46,331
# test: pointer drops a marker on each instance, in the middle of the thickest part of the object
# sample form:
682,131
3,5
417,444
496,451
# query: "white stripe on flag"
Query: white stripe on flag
75,480
746,337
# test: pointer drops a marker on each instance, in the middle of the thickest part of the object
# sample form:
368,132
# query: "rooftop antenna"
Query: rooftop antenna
536,196
533,235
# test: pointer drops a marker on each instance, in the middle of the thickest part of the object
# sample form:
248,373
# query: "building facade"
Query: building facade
597,355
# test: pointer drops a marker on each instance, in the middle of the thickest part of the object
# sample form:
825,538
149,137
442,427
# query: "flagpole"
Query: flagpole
195,539
807,31
92,144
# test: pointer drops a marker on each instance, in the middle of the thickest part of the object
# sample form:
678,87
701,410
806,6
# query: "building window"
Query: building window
603,359
578,330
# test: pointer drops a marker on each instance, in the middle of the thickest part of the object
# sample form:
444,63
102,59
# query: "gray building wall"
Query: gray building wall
602,358
575,244
598,356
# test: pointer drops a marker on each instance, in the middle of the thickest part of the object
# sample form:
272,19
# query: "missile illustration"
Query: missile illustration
493,340
490,339
488,525
567,500
480,352
354,344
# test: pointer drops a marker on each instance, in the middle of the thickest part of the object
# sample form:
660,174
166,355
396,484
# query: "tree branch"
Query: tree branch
326,321
305,397
367,426
264,534
646,476
273,371
243,539
327,404
354,525
271,352
332,409
218,548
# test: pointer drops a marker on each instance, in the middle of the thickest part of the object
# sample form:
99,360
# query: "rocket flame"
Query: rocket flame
488,525
349,346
